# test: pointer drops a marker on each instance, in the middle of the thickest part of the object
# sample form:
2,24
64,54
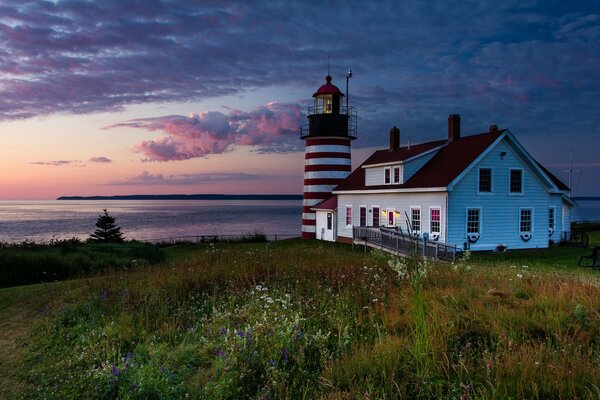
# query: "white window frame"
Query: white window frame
491,181
397,168
373,207
360,208
530,232
479,213
522,192
431,232
412,226
387,170
552,226
349,206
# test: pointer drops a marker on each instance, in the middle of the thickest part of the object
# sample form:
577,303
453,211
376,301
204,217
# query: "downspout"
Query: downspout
446,218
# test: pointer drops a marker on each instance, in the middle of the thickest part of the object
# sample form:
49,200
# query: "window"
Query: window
348,215
416,219
516,181
396,174
386,176
363,215
329,221
435,221
375,216
485,180
525,220
473,221
551,219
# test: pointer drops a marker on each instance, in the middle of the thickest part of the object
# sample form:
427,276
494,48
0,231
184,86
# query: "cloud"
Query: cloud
59,163
147,178
270,128
100,159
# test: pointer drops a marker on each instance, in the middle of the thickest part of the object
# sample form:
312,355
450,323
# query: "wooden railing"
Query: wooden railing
400,242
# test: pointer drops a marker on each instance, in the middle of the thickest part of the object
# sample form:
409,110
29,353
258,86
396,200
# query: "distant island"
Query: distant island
189,197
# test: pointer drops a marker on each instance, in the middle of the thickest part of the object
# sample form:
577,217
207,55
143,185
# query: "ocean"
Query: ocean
158,220
151,220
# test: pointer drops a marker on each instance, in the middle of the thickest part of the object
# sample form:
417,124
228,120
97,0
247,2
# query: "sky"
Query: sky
141,97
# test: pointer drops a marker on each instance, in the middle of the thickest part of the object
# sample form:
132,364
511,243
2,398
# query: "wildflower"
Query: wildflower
221,353
489,364
271,363
222,331
115,371
284,355
519,276
524,266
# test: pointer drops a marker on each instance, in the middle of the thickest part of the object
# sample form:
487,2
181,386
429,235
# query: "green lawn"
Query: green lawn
305,319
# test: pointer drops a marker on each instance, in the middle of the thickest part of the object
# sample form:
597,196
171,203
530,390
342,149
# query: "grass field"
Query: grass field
300,319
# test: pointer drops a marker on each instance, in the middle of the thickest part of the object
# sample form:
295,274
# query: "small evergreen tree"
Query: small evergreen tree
107,230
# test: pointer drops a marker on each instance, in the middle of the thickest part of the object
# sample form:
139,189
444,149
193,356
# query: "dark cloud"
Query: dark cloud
146,178
100,159
270,128
59,163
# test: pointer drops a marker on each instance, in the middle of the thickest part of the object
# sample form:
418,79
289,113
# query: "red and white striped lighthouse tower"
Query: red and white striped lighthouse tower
331,128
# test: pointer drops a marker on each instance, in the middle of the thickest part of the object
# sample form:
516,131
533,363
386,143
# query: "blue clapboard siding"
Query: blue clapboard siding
411,167
500,211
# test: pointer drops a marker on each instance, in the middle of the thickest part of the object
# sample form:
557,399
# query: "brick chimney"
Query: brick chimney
453,127
394,138
493,128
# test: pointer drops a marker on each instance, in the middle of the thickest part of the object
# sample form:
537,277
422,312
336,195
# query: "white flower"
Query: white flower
519,275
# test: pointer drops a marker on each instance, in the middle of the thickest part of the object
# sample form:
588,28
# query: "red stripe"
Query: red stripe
309,222
323,181
334,142
316,195
307,209
309,235
326,154
327,167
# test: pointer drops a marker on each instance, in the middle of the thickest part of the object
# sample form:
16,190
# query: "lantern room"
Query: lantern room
328,117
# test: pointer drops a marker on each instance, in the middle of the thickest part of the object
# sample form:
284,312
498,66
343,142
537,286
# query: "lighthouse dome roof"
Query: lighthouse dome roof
328,88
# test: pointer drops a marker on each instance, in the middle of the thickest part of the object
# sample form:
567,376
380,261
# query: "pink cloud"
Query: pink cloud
270,128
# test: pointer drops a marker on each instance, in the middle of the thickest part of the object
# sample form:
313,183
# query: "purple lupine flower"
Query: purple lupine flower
298,332
240,333
103,294
115,371
285,355
221,353
222,331
271,363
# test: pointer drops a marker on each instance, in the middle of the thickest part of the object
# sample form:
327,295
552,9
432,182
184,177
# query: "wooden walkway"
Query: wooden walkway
396,242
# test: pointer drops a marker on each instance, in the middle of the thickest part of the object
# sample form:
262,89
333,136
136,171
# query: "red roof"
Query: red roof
328,88
442,169
553,178
328,204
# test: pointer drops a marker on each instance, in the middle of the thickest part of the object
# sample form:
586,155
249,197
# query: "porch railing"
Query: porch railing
400,242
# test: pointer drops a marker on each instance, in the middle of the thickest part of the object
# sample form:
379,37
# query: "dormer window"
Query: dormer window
396,174
387,175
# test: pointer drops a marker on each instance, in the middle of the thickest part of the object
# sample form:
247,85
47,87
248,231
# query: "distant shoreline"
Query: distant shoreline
189,197
585,198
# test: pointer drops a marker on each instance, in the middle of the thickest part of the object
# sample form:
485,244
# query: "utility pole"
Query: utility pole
570,171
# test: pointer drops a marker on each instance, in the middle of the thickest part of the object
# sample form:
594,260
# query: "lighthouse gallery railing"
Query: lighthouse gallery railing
402,243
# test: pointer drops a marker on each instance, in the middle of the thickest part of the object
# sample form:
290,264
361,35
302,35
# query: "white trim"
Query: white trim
440,221
309,228
412,190
467,220
348,206
360,206
479,180
420,220
387,170
309,216
311,202
400,173
328,161
373,214
522,192
532,228
553,227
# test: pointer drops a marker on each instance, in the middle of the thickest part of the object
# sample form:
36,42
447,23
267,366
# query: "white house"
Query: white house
479,192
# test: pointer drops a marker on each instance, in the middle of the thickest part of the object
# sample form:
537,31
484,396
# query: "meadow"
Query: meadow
303,319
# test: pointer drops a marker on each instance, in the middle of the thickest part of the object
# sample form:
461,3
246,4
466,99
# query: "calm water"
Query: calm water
587,210
148,219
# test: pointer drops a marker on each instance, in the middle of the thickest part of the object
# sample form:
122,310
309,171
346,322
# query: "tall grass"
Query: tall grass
312,320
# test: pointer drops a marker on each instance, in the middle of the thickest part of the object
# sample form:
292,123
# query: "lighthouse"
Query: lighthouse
327,160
